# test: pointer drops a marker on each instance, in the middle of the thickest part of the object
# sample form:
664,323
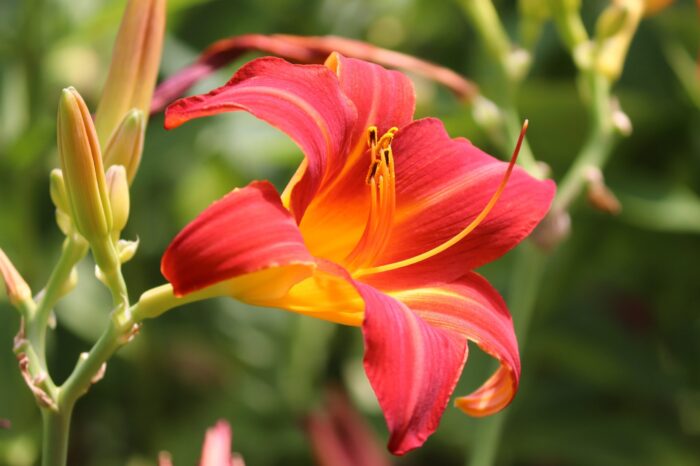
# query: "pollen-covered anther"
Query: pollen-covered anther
381,181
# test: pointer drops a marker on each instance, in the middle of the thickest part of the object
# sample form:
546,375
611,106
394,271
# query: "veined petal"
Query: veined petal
304,101
246,243
442,184
335,219
413,367
471,307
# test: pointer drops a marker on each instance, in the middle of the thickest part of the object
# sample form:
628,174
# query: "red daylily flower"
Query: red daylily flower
380,227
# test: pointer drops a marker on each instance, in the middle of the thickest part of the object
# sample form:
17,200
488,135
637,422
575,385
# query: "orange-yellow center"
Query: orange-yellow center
381,180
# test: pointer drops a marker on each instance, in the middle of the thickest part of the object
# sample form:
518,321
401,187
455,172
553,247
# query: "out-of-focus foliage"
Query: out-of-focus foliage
611,371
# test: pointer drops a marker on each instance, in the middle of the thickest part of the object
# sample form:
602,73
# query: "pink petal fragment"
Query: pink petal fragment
304,101
442,184
340,436
412,367
216,450
245,232
470,306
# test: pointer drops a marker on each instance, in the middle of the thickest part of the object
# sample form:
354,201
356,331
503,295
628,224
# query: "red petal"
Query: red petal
412,366
304,101
247,231
471,307
384,99
442,184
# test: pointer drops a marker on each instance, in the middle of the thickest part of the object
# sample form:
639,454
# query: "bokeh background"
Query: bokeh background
611,368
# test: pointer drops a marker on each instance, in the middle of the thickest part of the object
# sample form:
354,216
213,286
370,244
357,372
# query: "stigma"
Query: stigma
381,182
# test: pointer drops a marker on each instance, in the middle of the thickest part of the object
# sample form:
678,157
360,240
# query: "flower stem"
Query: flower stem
56,430
597,148
74,249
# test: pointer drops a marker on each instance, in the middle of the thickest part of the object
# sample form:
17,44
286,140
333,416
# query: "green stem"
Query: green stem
525,284
597,148
74,249
484,18
90,367
56,430
107,259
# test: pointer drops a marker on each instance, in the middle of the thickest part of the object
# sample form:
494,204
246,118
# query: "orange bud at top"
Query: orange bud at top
81,163
134,68
17,288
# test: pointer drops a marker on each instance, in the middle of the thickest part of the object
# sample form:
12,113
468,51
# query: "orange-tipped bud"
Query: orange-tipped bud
81,163
134,68
126,144
118,188
17,288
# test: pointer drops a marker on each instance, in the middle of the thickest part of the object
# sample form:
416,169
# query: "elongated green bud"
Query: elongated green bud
134,68
118,188
81,164
126,144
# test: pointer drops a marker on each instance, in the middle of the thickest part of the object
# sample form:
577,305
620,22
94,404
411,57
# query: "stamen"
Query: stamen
468,229
382,183
372,134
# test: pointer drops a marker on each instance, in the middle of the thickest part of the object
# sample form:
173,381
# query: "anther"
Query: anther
372,171
385,140
372,135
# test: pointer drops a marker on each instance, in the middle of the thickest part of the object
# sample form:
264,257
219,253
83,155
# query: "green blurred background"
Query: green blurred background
611,369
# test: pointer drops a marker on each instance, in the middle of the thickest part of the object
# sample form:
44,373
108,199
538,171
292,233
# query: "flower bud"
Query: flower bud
134,68
126,144
59,197
118,188
57,190
610,21
17,288
615,30
81,162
